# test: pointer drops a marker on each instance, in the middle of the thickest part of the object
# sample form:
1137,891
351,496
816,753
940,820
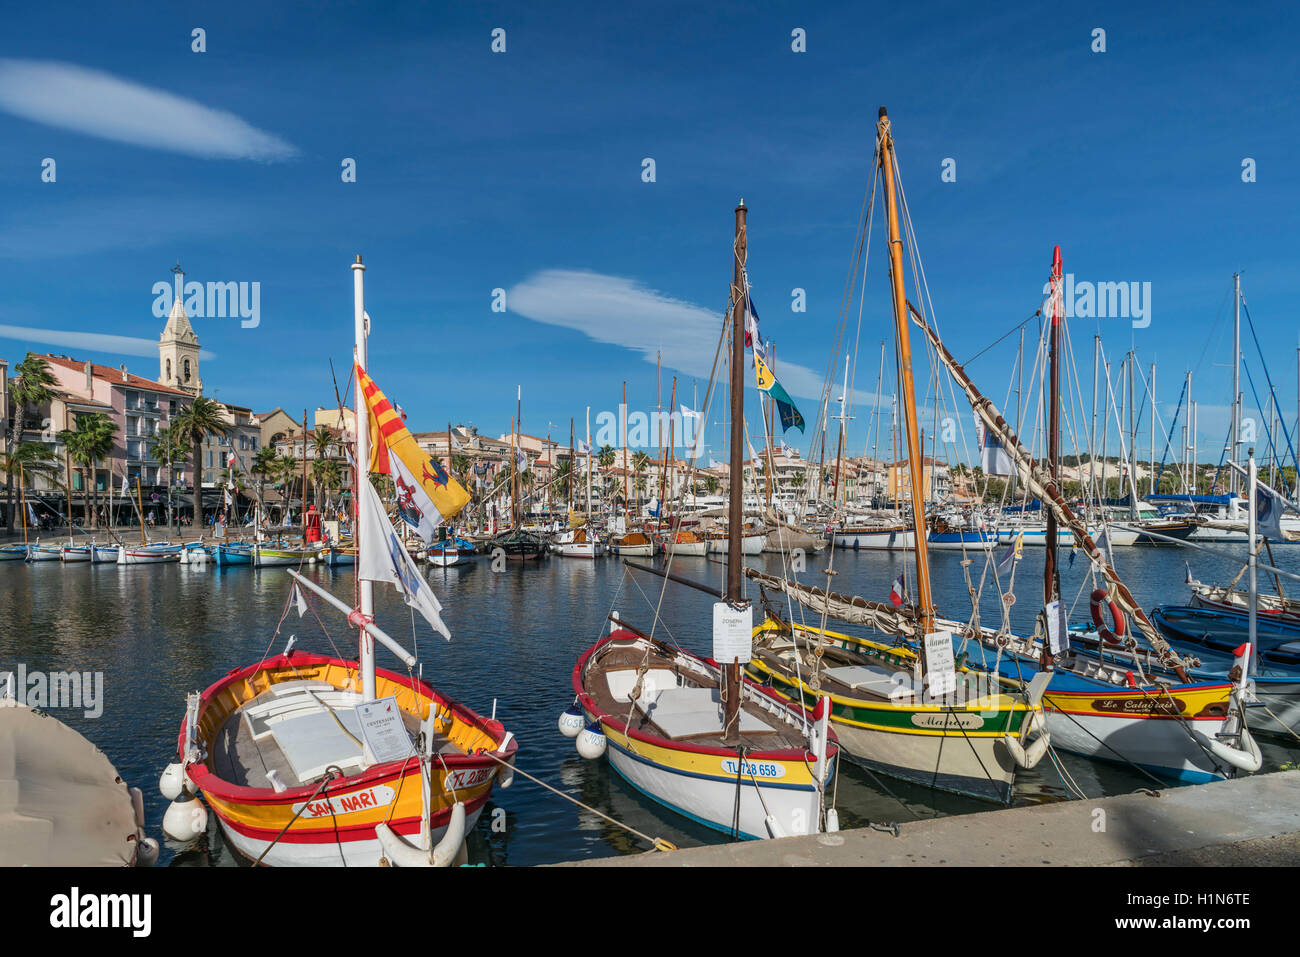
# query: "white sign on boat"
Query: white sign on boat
939,665
1057,632
732,633
382,728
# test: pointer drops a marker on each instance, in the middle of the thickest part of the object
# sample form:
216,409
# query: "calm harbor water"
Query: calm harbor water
159,631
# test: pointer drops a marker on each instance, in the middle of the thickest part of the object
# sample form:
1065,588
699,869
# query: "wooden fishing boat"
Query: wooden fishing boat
13,553
278,556
693,733
750,543
945,536
660,710
338,556
912,715
892,537
292,721
153,554
104,554
1229,598
520,546
309,759
36,552
578,543
233,553
634,545
1187,730
443,554
686,542
72,554
956,741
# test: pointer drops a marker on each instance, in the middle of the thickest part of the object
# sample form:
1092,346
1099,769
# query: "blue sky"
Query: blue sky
522,171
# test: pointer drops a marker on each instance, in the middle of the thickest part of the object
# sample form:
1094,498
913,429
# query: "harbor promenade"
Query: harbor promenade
1248,821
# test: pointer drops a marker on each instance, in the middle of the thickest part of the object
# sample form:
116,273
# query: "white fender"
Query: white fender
1028,757
1247,758
400,853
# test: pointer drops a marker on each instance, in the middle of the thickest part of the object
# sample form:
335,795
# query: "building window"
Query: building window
168,377
187,370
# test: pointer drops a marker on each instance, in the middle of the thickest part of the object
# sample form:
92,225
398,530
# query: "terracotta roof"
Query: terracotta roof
114,376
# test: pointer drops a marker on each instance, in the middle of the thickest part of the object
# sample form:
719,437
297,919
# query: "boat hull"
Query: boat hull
337,825
701,782
963,540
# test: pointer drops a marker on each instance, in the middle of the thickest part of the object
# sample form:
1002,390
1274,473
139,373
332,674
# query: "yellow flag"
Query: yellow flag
393,450
762,374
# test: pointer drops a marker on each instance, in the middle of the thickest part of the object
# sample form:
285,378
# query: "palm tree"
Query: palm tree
264,467
80,445
563,477
170,451
29,460
639,462
30,388
322,443
194,423
103,436
460,466
286,470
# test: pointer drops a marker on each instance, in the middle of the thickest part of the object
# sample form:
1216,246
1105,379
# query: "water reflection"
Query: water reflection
160,631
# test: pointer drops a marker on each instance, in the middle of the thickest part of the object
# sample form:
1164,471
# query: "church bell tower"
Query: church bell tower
178,348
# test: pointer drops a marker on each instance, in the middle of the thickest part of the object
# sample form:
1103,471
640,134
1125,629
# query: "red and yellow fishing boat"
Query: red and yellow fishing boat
309,759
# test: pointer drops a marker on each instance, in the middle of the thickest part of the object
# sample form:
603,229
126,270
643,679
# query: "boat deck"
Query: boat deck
297,729
679,703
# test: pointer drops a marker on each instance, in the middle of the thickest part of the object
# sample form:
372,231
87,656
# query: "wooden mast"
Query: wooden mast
672,454
570,482
139,507
22,496
916,470
304,477
735,478
1051,575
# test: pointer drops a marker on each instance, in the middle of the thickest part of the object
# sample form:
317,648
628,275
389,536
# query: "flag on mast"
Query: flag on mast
785,407
427,496
896,593
383,559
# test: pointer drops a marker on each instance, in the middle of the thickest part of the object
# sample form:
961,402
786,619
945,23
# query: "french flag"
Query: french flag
896,593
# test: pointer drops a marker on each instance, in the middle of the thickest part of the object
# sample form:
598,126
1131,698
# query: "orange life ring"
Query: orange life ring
1095,600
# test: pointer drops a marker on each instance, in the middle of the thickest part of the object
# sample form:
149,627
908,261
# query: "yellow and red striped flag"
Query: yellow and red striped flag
427,495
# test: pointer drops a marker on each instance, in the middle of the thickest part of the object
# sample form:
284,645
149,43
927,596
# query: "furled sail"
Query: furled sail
850,608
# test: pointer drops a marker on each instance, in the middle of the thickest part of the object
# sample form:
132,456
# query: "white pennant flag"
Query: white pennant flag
297,599
383,559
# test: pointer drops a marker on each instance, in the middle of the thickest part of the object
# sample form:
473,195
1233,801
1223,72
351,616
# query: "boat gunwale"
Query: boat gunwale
674,744
203,776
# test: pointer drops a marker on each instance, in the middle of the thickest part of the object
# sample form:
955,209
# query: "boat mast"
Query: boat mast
1051,576
623,443
304,477
1236,374
1092,439
367,589
570,482
588,464
839,451
1151,391
672,453
735,478
906,389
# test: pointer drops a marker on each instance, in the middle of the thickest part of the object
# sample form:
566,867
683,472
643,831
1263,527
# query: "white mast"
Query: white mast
362,430
1236,373
588,463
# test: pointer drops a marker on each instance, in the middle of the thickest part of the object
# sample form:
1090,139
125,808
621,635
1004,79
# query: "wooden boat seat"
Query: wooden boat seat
682,712
872,678
298,729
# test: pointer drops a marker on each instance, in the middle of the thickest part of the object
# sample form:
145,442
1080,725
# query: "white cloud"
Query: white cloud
90,341
623,312
99,104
